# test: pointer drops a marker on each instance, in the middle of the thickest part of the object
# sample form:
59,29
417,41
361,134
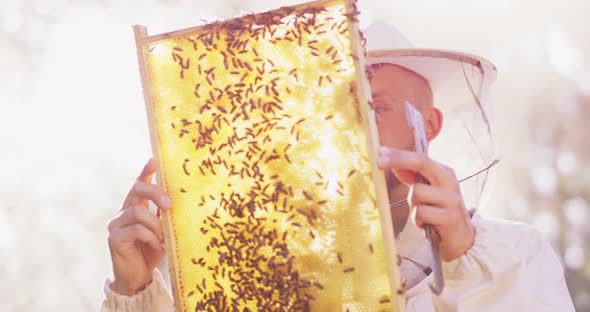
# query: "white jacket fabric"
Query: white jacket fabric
510,267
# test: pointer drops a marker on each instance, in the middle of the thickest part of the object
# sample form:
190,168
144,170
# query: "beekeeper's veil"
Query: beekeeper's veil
460,83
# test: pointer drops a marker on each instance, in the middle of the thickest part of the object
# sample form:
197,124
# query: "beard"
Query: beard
391,181
399,217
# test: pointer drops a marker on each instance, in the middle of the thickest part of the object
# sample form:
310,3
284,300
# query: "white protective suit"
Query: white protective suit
510,267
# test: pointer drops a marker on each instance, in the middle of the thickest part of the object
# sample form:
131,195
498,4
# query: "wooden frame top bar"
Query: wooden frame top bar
181,32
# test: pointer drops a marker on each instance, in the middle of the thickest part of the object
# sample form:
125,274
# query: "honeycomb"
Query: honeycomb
256,123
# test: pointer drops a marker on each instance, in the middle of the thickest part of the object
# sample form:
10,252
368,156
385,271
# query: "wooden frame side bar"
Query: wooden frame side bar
140,37
370,124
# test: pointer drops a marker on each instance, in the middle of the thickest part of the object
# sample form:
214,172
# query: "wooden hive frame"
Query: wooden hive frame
364,94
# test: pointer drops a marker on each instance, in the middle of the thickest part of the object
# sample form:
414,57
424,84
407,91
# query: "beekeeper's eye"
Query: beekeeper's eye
381,107
378,107
379,112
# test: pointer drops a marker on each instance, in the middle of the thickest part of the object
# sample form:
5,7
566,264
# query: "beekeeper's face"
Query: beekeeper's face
391,86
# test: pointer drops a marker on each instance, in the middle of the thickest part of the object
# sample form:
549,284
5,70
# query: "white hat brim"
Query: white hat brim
445,70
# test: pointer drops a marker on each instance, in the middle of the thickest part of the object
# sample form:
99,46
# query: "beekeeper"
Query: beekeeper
488,265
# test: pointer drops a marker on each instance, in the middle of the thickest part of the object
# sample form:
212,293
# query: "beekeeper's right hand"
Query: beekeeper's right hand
135,235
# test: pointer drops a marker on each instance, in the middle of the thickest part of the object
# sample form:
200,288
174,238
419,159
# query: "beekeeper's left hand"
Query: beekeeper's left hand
438,203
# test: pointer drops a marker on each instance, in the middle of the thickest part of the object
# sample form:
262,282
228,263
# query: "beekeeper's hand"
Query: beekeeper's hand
135,235
440,203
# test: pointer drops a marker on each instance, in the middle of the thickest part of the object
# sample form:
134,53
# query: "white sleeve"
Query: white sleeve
154,298
510,267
